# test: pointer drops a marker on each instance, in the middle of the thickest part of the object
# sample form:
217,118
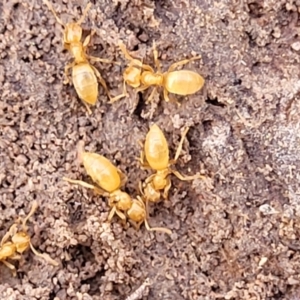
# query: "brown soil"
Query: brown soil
236,232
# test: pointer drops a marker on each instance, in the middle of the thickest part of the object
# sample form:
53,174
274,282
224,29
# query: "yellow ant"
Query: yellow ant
109,180
156,156
84,75
19,242
141,77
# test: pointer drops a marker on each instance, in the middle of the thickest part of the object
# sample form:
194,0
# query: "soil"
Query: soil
236,232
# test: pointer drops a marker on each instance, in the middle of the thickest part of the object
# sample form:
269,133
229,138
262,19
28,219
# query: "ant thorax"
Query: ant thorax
149,78
78,52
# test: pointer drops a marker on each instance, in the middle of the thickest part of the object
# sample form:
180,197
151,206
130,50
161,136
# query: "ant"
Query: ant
141,76
156,156
19,242
109,180
84,75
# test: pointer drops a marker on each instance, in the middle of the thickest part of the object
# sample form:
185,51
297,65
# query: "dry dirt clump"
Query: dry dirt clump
236,233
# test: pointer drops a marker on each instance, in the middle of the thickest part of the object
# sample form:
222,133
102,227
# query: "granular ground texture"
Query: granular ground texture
235,232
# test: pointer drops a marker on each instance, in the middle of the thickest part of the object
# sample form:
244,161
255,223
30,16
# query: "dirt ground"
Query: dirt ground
235,234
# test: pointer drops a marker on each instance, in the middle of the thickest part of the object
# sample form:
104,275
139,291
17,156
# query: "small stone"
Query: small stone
296,46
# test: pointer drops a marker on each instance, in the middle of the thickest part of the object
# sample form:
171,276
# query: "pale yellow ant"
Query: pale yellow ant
141,76
109,180
84,75
15,242
155,155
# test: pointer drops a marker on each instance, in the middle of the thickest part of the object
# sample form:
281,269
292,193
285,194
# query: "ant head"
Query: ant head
21,240
151,193
7,250
137,212
72,33
121,200
132,76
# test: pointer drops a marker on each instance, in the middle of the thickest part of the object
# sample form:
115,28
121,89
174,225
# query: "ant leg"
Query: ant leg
155,55
151,95
102,82
32,211
145,198
142,88
143,163
13,229
79,182
141,144
11,267
11,232
133,61
149,179
137,225
124,94
170,99
45,256
121,216
15,257
187,178
127,55
123,177
182,62
84,184
147,208
115,211
7,235
166,97
87,108
141,188
54,13
179,148
145,67
84,13
66,72
103,60
94,58
88,39
111,213
162,229
167,188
